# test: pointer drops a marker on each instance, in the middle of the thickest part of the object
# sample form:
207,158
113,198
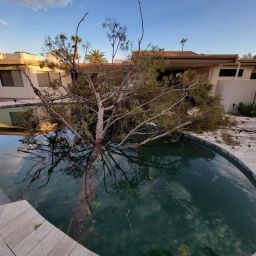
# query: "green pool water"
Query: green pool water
176,194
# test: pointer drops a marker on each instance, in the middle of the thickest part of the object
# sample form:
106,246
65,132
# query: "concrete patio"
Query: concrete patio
242,144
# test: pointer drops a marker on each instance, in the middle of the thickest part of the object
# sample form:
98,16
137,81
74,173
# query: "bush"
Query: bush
228,139
247,109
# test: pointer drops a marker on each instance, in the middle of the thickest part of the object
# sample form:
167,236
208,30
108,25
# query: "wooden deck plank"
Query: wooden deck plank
23,231
64,248
12,210
47,244
18,221
26,245
4,250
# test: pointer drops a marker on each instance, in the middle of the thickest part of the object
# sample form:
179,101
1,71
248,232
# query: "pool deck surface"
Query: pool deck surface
11,103
243,135
23,231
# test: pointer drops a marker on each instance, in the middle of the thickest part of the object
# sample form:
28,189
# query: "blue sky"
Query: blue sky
211,26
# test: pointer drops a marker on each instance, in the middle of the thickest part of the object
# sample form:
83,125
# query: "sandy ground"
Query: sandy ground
241,140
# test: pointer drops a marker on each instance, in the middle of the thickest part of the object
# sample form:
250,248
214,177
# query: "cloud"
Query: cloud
43,4
3,22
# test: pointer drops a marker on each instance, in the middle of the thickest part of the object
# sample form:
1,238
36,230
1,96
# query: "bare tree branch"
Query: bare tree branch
142,26
76,40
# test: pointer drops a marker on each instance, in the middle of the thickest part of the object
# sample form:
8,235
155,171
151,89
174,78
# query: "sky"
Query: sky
211,26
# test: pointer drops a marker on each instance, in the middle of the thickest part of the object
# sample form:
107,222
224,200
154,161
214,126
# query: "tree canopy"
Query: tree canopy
96,56
119,109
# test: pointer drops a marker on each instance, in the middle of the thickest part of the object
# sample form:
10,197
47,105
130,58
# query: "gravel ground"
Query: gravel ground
239,140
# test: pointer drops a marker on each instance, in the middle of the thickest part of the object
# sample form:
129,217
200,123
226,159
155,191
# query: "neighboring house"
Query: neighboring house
15,85
233,79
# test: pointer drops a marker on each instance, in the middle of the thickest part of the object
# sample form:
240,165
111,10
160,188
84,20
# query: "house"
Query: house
13,82
233,79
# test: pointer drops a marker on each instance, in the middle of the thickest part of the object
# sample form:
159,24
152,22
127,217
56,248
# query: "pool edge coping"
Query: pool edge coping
250,173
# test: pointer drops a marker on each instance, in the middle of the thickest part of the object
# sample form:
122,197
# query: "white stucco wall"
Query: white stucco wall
26,92
235,91
214,77
22,92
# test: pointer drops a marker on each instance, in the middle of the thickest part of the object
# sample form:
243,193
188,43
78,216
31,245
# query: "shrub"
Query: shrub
228,139
247,109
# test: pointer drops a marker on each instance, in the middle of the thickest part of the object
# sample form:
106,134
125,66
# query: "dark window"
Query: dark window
17,78
11,78
253,76
45,78
231,72
16,118
6,78
55,77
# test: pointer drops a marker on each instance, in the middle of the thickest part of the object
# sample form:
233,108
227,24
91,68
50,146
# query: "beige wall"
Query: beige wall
235,91
26,91
214,77
20,55
23,92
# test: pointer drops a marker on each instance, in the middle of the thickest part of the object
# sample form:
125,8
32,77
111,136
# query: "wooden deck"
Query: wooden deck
23,231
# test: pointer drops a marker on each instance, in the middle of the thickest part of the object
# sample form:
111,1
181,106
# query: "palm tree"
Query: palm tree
76,40
182,42
86,46
96,57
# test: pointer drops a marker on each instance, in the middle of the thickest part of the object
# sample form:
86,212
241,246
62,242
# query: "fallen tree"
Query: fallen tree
111,110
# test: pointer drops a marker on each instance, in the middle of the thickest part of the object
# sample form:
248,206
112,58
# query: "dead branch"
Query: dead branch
76,39
142,26
49,109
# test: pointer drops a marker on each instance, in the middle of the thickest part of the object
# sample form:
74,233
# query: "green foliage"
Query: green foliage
96,57
117,36
154,48
214,118
184,251
158,252
76,39
249,56
150,107
182,42
207,251
247,109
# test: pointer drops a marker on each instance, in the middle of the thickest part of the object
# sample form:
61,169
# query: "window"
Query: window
45,78
231,72
253,75
11,78
17,78
55,77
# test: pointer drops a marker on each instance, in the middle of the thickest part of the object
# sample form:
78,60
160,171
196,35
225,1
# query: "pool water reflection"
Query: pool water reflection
174,194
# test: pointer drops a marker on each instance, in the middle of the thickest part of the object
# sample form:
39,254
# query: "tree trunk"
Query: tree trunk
100,126
77,226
